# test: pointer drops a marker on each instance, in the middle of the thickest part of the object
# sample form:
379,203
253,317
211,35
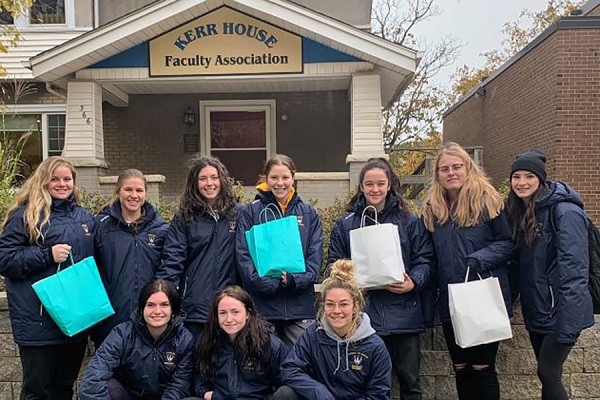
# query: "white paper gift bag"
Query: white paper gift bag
478,312
376,251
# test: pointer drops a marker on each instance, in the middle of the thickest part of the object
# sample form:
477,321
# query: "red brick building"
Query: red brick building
546,96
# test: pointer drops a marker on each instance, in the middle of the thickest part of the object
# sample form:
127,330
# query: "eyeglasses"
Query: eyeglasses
446,169
330,305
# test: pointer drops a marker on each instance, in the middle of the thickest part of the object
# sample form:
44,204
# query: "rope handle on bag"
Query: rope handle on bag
363,217
264,212
72,262
467,275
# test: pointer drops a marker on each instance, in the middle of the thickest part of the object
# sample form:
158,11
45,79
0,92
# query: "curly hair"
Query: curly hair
191,201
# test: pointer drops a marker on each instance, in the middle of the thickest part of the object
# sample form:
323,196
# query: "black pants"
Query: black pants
49,372
473,383
550,356
405,351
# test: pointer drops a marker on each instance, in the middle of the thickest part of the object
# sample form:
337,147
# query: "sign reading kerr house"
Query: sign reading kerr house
224,42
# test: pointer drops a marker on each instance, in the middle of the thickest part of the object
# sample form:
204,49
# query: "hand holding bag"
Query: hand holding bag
377,253
275,246
478,312
75,297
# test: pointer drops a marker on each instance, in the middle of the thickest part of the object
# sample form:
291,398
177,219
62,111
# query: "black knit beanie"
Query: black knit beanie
533,160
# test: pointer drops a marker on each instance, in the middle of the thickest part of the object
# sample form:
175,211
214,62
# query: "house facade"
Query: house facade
546,96
149,84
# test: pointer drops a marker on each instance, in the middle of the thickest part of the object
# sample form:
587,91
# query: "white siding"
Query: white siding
367,136
84,135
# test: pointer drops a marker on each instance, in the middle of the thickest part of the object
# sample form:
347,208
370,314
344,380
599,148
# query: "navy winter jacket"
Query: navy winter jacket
199,258
274,301
237,381
321,366
554,272
127,256
23,264
392,313
147,369
489,243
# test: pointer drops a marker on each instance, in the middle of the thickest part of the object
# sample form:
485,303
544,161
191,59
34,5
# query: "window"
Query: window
13,129
47,12
56,134
240,133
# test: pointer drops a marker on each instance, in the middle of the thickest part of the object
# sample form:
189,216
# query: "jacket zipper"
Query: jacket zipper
551,297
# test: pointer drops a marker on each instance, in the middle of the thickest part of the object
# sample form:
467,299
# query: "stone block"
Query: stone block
575,362
520,339
8,348
5,326
428,387
435,363
520,387
445,388
590,338
426,340
6,391
591,359
585,385
10,369
516,362
439,343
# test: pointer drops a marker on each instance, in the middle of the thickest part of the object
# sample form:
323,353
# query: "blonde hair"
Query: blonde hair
35,195
343,276
128,173
477,198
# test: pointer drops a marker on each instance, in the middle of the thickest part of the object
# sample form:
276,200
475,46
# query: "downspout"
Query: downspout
96,13
51,90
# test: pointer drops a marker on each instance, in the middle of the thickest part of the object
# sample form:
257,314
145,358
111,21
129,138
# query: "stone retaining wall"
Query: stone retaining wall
515,363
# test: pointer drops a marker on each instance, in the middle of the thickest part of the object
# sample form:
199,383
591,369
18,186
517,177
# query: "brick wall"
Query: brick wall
548,98
515,364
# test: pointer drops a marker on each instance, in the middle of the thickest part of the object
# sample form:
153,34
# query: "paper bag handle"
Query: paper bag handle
72,262
467,275
264,212
364,216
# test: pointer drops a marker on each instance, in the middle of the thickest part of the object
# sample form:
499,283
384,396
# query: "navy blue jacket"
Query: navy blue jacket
235,381
554,272
392,312
152,370
199,258
296,300
23,264
127,256
321,366
490,243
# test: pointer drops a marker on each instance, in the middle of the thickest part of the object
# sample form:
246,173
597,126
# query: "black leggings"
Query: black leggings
473,383
550,356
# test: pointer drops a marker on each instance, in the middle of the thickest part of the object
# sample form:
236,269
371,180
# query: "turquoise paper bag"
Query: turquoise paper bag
275,246
75,297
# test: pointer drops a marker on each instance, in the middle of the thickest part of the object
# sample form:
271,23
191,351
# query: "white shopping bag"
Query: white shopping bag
376,251
478,312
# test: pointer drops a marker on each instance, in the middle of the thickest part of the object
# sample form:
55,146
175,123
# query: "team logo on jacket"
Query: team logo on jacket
357,359
300,220
170,357
86,229
151,239
232,226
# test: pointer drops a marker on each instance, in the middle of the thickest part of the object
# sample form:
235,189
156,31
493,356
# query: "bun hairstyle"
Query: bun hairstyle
343,276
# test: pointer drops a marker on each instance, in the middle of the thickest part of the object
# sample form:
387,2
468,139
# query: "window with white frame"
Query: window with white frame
47,12
55,124
240,133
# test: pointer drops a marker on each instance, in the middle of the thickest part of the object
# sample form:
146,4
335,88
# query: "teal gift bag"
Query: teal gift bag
275,246
75,297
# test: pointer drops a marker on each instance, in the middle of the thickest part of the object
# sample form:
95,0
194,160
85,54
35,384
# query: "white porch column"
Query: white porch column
84,139
367,134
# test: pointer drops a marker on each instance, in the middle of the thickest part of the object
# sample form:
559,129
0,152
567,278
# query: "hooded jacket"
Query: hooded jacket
553,272
236,381
273,300
199,259
127,256
23,264
392,313
489,243
321,366
152,370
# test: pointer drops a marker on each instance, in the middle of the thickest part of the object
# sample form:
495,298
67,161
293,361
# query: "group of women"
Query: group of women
194,318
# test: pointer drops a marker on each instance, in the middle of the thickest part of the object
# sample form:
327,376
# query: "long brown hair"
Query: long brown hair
477,198
252,343
37,198
523,222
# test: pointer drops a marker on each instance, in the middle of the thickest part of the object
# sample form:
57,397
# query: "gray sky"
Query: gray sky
475,23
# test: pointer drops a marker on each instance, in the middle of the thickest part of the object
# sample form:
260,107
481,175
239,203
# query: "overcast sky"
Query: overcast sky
476,23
